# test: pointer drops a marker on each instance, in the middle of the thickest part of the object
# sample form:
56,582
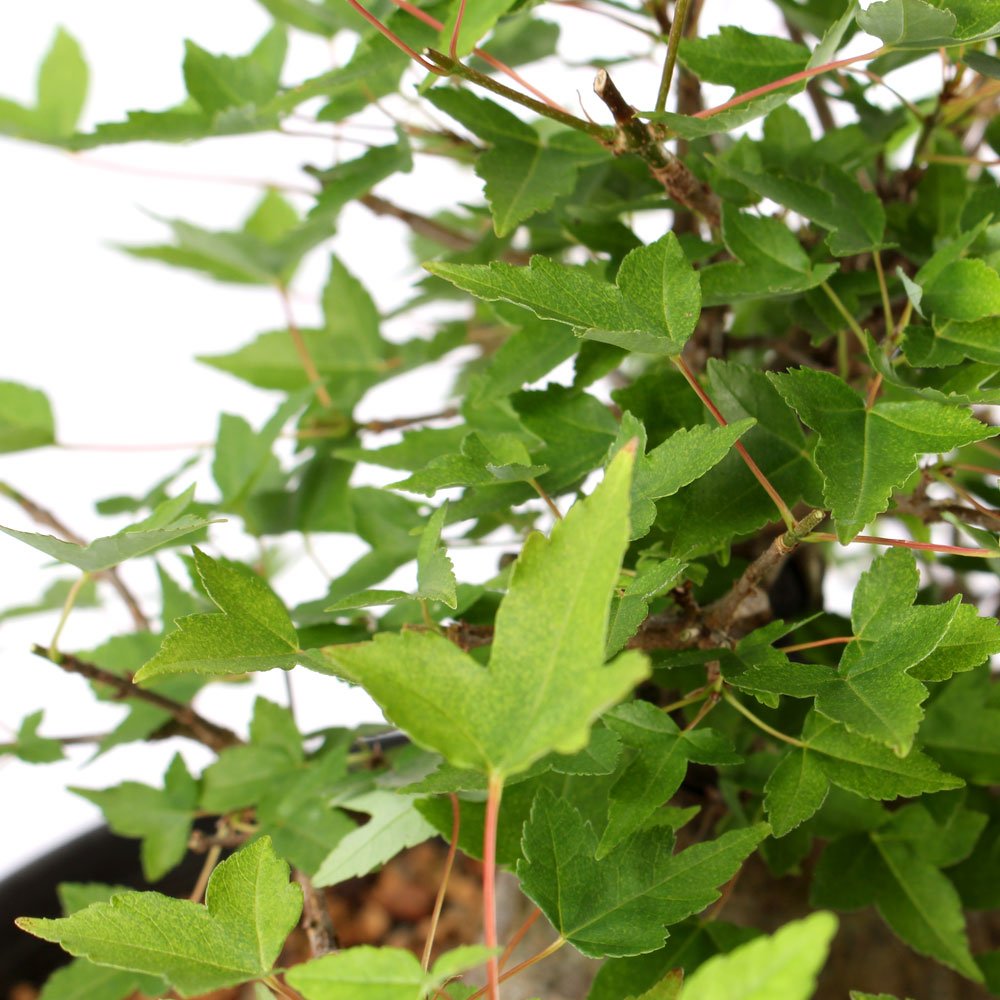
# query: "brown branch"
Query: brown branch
202,843
760,573
316,919
633,136
420,224
190,723
394,424
47,519
931,511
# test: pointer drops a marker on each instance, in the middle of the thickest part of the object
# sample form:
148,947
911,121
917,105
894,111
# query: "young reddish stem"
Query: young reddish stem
302,349
453,47
519,936
549,502
489,883
785,81
456,820
799,646
501,67
783,509
395,39
905,543
707,705
527,963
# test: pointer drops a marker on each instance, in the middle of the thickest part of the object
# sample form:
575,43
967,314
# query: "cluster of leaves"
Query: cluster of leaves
807,328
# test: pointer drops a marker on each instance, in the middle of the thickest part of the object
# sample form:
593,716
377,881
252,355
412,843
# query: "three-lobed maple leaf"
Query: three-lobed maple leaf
621,904
546,681
652,308
250,909
252,631
875,691
865,452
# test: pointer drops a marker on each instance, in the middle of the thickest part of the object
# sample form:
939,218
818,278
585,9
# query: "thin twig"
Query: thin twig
501,67
783,509
454,68
549,502
456,821
211,860
806,74
673,42
905,543
48,520
190,723
302,349
762,570
316,919
760,723
518,936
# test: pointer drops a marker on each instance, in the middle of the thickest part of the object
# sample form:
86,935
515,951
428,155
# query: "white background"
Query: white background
111,339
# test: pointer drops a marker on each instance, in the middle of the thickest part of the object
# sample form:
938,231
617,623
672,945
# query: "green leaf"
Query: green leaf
872,691
253,631
965,290
25,418
691,127
906,24
773,261
543,687
835,200
950,342
796,789
251,909
165,525
661,753
162,818
914,898
482,461
367,973
29,746
832,754
684,457
394,825
622,904
478,20
82,980
629,611
786,965
653,308
728,500
243,774
864,454
961,726
525,170
248,255
350,179
62,85
739,59
435,574
348,351
968,641
221,82
54,598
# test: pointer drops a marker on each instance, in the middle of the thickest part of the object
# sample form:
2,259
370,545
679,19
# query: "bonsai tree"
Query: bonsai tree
780,319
